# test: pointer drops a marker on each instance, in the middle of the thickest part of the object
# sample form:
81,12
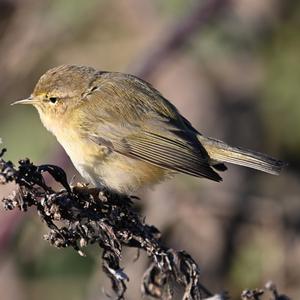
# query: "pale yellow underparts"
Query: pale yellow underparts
101,166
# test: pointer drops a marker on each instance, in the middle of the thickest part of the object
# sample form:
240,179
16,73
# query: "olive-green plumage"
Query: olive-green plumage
122,133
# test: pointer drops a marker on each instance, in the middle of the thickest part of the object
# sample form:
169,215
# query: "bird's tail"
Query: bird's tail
220,152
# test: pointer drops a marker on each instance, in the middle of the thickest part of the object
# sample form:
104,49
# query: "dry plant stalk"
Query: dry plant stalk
78,216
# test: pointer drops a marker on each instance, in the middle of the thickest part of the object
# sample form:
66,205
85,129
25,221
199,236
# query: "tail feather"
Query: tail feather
220,152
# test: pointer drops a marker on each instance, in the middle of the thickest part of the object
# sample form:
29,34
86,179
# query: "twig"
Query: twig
98,216
78,216
178,36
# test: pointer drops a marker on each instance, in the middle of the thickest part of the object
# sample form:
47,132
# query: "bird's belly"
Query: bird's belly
126,175
103,167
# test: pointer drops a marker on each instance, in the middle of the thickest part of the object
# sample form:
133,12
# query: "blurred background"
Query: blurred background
232,68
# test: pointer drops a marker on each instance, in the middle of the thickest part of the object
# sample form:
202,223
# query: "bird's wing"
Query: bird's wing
136,121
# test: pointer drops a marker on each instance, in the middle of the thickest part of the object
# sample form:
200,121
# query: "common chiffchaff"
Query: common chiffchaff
122,133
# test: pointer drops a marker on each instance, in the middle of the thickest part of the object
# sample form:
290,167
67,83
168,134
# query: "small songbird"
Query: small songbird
122,134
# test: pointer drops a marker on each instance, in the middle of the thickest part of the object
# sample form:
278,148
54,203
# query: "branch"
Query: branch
101,217
78,216
199,17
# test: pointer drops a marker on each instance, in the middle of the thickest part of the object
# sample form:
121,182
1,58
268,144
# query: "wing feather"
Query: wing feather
166,153
139,123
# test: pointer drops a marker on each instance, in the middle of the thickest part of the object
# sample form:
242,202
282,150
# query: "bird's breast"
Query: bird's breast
103,167
86,156
100,165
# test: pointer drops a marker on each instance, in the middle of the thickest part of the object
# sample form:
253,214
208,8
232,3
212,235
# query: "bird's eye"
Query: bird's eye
53,99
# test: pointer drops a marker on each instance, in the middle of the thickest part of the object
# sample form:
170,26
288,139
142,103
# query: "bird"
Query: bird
122,134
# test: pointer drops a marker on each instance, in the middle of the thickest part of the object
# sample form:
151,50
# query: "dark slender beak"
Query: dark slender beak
29,100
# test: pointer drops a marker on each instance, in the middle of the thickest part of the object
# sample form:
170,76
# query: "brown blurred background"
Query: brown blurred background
232,68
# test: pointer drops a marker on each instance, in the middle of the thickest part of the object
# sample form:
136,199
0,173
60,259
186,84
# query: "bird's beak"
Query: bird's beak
29,100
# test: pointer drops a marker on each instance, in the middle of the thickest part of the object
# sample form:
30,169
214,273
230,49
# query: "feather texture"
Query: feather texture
122,133
141,124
